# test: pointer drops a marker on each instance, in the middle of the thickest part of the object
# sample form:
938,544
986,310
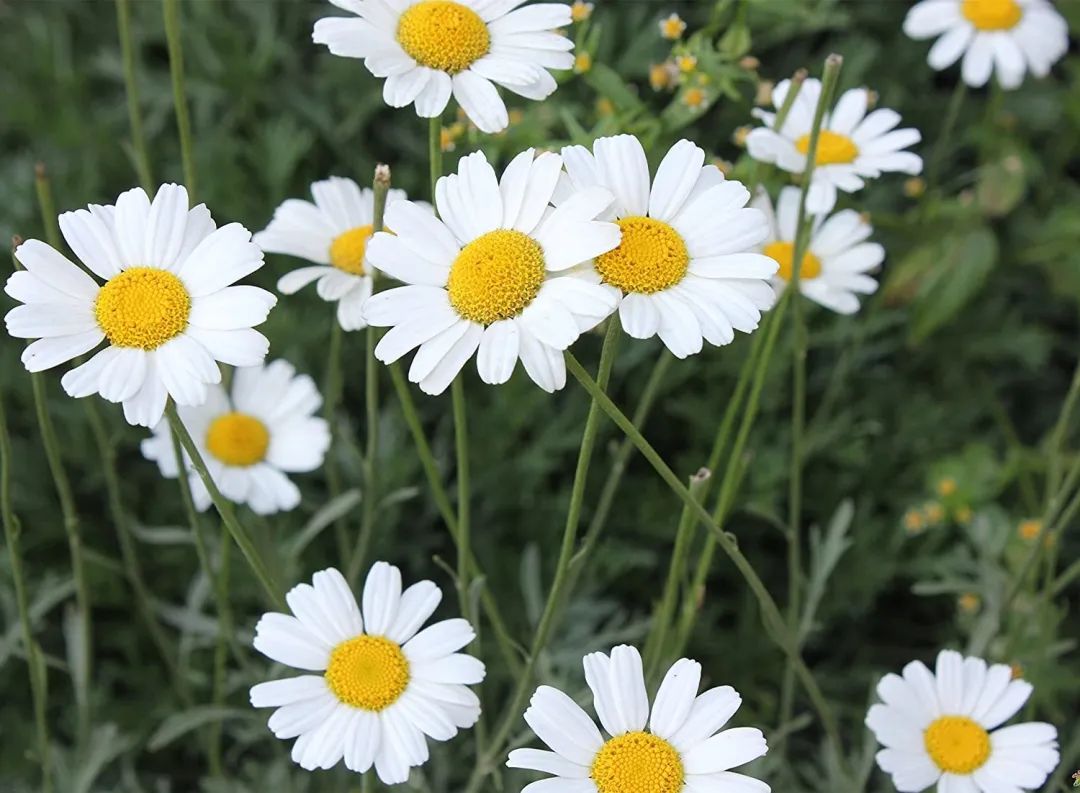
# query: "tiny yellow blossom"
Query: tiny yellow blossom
1030,529
582,63
1017,670
580,11
673,27
968,602
963,515
946,487
516,116
662,75
686,63
724,166
738,137
694,98
447,139
935,513
914,522
605,106
763,97
872,98
914,186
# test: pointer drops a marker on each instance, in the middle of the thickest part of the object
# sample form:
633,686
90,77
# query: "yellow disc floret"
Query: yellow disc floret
142,307
992,14
347,250
368,672
496,276
784,254
957,744
443,35
651,257
637,762
238,439
832,148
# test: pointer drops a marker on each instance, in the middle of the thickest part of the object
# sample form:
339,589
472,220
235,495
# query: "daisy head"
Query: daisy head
333,233
853,145
944,728
250,439
486,276
1005,37
686,268
381,683
678,747
428,49
167,309
834,268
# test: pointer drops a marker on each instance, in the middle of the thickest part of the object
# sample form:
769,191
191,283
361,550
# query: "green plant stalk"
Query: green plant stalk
221,647
562,567
952,114
131,90
331,398
435,158
35,666
174,41
1057,435
782,113
461,447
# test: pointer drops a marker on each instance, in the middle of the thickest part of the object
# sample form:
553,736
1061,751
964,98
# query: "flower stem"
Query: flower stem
952,114
461,447
131,89
174,41
1057,435
435,153
331,398
221,648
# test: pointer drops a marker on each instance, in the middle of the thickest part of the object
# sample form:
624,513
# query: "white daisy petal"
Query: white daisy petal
547,762
675,698
382,596
676,176
480,101
498,352
562,725
725,750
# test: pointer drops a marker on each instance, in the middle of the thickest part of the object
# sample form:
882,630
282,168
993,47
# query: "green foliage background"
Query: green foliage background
956,369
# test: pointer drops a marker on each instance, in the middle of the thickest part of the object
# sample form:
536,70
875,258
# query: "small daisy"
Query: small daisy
383,684
251,440
428,49
672,27
1007,37
835,266
853,145
333,232
167,308
686,267
941,729
483,277
681,750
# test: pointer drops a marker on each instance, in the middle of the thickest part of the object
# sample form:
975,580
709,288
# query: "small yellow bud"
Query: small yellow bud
605,107
935,513
516,115
1030,529
686,63
763,98
673,27
582,63
946,486
749,63
446,139
660,75
1017,670
724,166
969,602
914,522
580,11
914,186
694,98
963,515
738,137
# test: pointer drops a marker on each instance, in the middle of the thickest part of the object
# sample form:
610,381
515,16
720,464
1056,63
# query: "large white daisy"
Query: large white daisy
835,266
383,684
943,728
333,233
679,747
428,49
251,439
686,267
1004,37
167,308
484,277
853,145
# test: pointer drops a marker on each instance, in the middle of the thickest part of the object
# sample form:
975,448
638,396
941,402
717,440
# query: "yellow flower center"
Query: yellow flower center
992,14
142,307
832,148
637,762
238,439
957,744
347,250
443,35
651,257
496,276
368,672
784,254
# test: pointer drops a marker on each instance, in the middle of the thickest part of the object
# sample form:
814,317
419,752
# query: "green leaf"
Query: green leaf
1001,185
330,511
606,82
966,260
179,724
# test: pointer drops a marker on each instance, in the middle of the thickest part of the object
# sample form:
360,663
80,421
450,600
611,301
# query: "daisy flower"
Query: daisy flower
686,267
251,439
672,27
332,232
680,750
382,684
853,145
167,308
483,277
428,49
835,266
942,728
1007,37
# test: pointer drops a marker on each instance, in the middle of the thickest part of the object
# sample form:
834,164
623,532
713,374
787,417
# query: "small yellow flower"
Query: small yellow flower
738,137
580,11
605,107
694,98
914,521
872,99
660,76
969,602
724,166
946,487
914,186
582,63
1017,670
763,98
516,116
963,515
447,139
686,63
673,27
1030,529
935,513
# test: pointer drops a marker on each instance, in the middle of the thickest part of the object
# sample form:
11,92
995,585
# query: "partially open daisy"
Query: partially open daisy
686,268
853,145
676,748
428,49
483,277
383,683
942,728
332,232
835,266
1004,37
167,308
251,439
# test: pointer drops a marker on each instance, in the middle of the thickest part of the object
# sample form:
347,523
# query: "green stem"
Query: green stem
175,44
131,89
221,648
435,153
464,531
1057,435
952,114
797,80
331,399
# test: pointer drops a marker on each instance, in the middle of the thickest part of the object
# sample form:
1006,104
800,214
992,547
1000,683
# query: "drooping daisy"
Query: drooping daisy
382,684
853,145
428,49
835,266
167,308
251,439
333,233
1006,37
483,277
676,748
686,268
942,728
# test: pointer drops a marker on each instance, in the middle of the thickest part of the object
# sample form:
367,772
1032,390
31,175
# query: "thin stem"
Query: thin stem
952,114
435,153
461,447
131,89
175,44
331,398
221,647
794,87
1057,436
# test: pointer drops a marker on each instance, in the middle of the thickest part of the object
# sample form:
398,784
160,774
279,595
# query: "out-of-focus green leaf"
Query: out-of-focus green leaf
963,264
